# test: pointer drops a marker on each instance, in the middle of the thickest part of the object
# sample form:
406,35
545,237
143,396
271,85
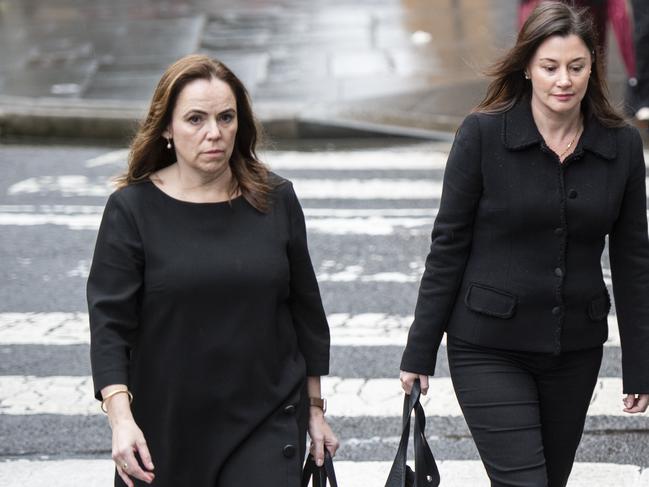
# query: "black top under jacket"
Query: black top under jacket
211,314
515,259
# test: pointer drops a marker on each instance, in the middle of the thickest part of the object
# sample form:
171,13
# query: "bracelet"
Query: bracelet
114,393
318,402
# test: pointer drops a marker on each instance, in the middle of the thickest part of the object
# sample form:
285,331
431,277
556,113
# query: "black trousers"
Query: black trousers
526,411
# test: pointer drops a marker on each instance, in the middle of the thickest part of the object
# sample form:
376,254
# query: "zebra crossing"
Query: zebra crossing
369,213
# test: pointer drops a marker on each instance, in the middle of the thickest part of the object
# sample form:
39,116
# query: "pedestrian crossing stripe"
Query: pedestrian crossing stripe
346,397
362,329
77,185
454,473
387,158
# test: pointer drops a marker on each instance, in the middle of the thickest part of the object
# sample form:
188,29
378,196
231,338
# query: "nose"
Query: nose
213,131
564,78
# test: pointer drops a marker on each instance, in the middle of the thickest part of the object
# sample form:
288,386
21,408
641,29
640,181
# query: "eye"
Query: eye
577,69
195,119
227,117
550,69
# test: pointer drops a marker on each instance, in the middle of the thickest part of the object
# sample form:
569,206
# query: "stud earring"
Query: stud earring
527,76
169,143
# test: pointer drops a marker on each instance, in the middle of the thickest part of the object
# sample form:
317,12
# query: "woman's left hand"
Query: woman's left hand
321,436
636,403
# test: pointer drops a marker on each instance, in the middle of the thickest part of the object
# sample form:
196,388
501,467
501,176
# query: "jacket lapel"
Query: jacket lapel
519,132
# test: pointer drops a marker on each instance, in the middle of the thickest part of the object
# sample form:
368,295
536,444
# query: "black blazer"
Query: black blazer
516,246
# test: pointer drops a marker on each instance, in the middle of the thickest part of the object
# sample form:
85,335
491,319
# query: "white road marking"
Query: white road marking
356,160
454,473
362,329
116,158
357,189
66,185
44,328
461,473
401,159
354,273
329,221
354,398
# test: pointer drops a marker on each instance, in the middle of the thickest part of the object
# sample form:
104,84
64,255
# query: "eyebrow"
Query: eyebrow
555,61
202,112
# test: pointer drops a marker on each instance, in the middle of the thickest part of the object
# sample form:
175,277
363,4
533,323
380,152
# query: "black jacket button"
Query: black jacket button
558,231
572,194
556,311
558,272
290,409
289,451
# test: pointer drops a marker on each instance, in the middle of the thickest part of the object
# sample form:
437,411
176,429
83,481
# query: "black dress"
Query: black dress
211,314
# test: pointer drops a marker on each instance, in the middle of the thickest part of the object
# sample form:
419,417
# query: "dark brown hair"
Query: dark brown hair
148,152
549,19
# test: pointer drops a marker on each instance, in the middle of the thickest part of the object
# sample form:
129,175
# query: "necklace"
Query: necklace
570,144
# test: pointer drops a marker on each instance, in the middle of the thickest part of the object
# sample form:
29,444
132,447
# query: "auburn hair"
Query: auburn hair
552,18
148,152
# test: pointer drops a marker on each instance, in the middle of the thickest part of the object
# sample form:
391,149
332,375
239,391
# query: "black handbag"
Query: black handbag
425,473
319,475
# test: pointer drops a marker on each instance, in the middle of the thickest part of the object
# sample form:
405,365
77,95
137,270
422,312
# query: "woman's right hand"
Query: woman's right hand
408,379
128,438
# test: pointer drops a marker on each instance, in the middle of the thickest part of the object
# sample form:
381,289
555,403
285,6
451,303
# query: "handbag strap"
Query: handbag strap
426,473
319,475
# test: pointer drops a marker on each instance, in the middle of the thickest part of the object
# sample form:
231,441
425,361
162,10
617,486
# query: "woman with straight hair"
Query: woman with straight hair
537,178
205,312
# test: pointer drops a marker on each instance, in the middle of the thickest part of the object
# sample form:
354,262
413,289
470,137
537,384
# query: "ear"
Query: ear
166,133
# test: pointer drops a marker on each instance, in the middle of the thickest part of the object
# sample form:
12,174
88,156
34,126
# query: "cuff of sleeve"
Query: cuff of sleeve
107,378
419,363
317,368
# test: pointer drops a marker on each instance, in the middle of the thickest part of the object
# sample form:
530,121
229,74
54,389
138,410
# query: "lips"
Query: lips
563,96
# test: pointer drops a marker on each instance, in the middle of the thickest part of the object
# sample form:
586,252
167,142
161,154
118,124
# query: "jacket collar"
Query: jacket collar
519,132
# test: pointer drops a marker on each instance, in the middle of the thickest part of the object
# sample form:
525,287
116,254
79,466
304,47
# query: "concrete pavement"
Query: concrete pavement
313,67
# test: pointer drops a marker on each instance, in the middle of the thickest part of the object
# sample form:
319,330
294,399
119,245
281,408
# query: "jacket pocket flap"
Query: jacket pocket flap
490,301
599,307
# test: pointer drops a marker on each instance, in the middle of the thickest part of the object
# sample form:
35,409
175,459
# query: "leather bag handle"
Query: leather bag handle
319,475
426,473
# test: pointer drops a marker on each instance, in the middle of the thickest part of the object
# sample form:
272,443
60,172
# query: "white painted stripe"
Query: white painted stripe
361,189
353,273
345,397
116,158
454,473
404,159
362,329
311,212
54,209
400,159
73,222
337,222
357,160
356,189
66,185
44,328
383,189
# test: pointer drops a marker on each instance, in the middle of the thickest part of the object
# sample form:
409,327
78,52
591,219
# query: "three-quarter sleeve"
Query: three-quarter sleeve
629,256
114,283
305,302
449,250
